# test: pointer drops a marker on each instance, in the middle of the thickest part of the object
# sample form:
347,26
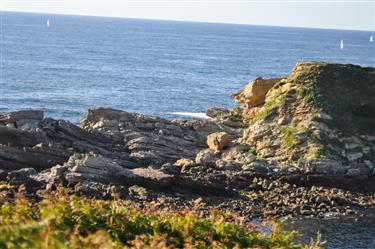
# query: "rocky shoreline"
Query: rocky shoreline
290,148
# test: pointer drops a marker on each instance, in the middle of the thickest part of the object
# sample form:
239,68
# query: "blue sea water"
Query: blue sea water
351,232
150,66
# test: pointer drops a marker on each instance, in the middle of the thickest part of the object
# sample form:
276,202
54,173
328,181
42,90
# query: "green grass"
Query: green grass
289,136
266,110
270,106
66,221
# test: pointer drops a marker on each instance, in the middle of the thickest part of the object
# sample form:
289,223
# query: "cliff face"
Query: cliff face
319,113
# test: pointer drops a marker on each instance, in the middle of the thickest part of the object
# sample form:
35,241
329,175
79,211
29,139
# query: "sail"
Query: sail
342,44
48,24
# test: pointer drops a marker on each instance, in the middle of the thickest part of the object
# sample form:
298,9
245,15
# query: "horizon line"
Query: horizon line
191,21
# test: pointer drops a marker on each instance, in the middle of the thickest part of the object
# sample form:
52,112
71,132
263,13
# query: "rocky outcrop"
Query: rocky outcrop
307,121
150,139
43,143
112,147
254,93
18,119
299,131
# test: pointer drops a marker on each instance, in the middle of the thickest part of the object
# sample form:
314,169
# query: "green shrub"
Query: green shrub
66,221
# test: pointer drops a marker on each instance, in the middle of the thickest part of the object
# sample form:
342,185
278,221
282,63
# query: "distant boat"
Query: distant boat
372,38
342,44
48,24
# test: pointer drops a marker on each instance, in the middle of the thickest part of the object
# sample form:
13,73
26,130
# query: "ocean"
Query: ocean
165,68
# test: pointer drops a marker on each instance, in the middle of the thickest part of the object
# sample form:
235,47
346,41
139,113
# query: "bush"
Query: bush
63,221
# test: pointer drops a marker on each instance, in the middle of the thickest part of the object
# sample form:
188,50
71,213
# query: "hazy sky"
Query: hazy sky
342,14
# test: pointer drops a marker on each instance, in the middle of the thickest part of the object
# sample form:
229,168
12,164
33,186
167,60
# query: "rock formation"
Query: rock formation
254,93
320,119
314,127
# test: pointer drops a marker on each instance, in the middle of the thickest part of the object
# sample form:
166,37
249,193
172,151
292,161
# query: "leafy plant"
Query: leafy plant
68,221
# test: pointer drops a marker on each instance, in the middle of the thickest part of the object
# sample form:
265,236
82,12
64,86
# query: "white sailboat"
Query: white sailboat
372,38
342,44
48,24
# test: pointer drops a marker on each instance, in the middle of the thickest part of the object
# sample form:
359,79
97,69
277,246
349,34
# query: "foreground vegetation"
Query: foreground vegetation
66,221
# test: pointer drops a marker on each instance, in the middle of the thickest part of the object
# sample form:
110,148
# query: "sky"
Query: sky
336,14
